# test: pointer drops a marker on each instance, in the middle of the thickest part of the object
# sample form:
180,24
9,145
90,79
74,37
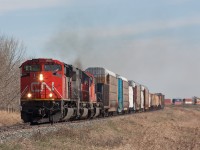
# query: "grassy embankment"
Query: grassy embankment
8,119
173,128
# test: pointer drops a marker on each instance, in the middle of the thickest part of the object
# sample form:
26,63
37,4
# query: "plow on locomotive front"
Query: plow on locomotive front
53,91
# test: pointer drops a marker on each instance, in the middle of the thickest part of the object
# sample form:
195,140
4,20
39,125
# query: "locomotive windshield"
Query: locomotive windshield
32,68
54,67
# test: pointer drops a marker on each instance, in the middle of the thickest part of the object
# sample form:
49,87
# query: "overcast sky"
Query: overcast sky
156,43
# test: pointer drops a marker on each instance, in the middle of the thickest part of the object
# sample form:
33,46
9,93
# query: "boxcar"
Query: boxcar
123,94
106,86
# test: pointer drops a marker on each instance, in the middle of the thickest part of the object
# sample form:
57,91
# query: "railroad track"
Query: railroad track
22,126
15,127
26,130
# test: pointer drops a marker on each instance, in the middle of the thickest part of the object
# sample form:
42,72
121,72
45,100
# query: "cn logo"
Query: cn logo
39,87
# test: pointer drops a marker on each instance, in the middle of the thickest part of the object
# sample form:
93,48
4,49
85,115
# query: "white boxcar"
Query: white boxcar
149,100
131,106
142,96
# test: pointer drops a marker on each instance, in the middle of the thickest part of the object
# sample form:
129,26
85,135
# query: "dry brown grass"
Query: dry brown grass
171,129
8,119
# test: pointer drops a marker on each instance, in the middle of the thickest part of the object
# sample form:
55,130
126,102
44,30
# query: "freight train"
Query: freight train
53,91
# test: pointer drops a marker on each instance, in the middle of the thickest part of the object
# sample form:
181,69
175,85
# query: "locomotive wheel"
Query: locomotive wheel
26,118
90,114
51,117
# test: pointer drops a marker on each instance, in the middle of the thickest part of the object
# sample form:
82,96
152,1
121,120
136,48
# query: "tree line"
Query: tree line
12,53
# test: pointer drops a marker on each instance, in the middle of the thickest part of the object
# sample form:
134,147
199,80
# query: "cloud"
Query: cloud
75,41
143,27
13,5
162,63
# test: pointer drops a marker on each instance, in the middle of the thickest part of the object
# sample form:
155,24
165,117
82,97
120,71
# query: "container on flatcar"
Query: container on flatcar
168,102
106,87
188,101
177,101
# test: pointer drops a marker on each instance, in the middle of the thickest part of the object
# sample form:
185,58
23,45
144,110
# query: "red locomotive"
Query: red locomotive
52,91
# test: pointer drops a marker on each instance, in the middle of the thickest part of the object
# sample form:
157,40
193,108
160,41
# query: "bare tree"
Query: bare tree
11,55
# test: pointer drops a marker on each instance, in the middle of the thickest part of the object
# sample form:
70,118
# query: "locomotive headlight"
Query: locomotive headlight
29,95
50,95
41,78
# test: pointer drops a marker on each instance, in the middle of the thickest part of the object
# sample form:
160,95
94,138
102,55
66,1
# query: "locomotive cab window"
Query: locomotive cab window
53,67
32,68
